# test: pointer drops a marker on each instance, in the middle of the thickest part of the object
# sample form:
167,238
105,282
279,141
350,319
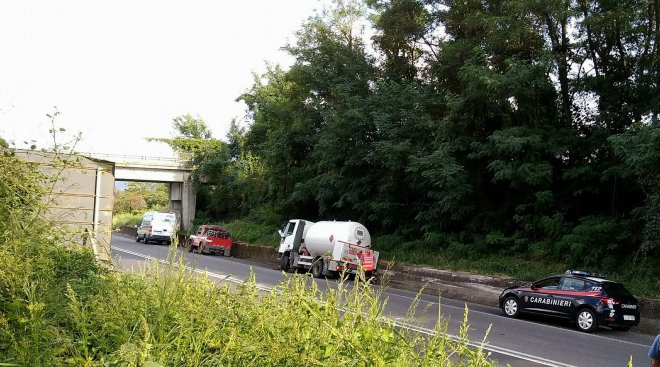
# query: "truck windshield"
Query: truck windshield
289,229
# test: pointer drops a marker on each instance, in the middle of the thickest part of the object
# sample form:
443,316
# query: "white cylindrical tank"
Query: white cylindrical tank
321,237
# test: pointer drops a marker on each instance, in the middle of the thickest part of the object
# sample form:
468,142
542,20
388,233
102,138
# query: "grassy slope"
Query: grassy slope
65,310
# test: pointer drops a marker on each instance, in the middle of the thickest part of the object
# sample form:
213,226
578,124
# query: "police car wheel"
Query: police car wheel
511,307
586,320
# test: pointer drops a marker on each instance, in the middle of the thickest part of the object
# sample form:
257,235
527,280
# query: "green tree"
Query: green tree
637,149
334,66
506,124
141,196
311,124
129,202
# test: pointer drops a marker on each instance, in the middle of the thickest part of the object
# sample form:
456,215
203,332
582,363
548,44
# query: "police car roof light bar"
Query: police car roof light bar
586,273
578,272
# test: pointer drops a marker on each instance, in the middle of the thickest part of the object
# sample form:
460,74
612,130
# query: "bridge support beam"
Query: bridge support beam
182,202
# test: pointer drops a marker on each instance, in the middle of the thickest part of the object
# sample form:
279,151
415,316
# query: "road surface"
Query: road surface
530,341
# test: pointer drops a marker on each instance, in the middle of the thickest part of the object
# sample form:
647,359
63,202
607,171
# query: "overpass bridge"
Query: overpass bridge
81,195
173,171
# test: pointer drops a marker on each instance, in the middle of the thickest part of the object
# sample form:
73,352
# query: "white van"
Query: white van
156,226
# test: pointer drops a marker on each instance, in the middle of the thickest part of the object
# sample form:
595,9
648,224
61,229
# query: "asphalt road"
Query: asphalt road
530,341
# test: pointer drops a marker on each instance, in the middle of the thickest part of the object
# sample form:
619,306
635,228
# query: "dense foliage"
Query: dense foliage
487,127
59,307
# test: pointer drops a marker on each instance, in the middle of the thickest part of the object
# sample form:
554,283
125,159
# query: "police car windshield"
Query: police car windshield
616,290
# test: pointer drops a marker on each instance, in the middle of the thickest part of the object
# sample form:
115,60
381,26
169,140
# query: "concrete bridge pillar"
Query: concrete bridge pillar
182,202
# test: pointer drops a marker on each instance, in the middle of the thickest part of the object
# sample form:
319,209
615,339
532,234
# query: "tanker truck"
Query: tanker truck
326,248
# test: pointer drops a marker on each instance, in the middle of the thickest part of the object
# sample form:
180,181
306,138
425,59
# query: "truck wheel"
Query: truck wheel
284,262
226,253
190,248
317,268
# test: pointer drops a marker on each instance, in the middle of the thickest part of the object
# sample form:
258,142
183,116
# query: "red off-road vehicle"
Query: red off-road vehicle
210,240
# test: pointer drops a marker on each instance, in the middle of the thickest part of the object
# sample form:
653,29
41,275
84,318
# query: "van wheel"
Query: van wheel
137,238
317,268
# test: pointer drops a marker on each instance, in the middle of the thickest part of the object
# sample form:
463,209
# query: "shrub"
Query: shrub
125,220
253,233
591,241
266,215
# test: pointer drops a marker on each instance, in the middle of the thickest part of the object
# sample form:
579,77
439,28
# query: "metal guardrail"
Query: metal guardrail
133,158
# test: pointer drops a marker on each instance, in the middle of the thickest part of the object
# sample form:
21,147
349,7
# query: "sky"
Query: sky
119,71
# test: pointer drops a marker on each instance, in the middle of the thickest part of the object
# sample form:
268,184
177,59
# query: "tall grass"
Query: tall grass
80,314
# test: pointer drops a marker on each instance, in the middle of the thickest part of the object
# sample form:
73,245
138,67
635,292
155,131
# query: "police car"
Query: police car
589,299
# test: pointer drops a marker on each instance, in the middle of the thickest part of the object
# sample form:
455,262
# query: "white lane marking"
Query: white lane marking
490,347
399,323
221,277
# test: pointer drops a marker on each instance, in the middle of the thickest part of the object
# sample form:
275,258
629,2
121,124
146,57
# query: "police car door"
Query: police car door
540,298
571,292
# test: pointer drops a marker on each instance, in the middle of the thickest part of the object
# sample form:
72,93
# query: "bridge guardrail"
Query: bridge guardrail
128,157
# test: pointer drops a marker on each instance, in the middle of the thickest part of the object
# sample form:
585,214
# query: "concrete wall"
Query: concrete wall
73,201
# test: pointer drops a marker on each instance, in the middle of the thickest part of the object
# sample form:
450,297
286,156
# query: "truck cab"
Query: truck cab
292,236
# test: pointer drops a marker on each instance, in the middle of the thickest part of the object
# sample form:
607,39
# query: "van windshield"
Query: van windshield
165,217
